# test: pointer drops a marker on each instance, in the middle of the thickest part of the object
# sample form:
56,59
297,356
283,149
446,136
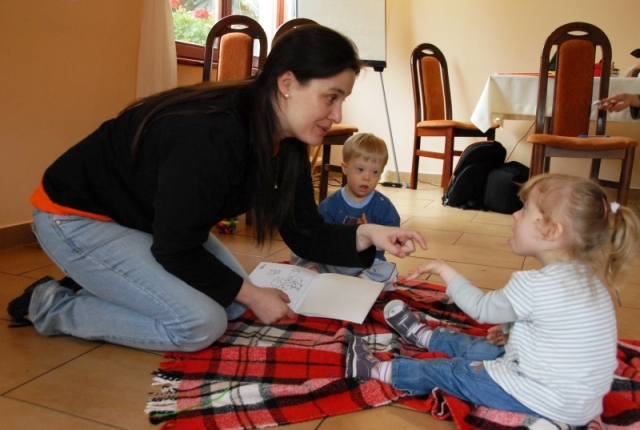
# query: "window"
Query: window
192,20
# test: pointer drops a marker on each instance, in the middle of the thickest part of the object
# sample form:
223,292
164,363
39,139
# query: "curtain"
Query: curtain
157,64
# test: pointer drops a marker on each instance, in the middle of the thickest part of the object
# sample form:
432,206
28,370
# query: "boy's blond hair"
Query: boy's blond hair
367,146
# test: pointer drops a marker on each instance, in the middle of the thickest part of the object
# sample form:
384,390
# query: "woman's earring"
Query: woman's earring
286,96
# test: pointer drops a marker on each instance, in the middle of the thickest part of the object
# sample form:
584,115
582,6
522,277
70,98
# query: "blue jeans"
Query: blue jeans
127,297
462,376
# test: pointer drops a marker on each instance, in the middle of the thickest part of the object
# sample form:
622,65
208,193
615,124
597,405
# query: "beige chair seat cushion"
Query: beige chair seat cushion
447,123
586,143
341,129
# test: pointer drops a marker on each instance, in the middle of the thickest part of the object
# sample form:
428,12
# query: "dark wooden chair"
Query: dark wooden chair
337,135
235,35
289,25
433,111
558,135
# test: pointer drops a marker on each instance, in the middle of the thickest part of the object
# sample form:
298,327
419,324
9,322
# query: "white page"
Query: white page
341,297
293,280
328,295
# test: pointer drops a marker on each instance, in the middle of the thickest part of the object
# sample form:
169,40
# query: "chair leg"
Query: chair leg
537,160
413,184
595,168
447,166
625,176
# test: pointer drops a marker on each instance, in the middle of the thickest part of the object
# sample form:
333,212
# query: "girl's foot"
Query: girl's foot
361,363
399,316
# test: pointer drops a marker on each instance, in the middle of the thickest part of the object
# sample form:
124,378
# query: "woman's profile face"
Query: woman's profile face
307,111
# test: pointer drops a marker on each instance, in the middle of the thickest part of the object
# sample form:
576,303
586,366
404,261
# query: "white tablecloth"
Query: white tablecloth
515,97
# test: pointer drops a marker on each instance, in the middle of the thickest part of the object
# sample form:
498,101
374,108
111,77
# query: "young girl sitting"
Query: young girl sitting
560,353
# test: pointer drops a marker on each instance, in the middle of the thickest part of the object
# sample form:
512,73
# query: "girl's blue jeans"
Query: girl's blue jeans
127,297
462,376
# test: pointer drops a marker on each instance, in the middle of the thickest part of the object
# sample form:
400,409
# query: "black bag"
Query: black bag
467,187
501,192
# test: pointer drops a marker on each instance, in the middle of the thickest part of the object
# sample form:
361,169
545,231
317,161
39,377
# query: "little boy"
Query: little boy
363,159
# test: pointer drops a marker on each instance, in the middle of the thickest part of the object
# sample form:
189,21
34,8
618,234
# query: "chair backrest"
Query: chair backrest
235,35
430,78
575,45
290,25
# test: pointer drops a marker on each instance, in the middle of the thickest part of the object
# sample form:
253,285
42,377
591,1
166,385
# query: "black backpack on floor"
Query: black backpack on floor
501,191
482,180
467,186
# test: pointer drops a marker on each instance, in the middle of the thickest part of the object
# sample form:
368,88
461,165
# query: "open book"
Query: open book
328,295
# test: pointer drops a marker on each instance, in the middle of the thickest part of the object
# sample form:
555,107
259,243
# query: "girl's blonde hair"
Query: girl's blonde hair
582,208
367,146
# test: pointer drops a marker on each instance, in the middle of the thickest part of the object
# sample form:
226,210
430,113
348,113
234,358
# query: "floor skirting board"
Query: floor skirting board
15,235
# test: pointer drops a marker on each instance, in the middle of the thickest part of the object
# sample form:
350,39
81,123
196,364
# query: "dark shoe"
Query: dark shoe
19,307
360,360
402,320
70,283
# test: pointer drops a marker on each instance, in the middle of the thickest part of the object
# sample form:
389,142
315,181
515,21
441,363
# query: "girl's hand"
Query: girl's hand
269,304
496,336
436,267
394,240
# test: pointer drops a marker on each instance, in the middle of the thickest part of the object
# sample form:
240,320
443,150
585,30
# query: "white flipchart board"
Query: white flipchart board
363,21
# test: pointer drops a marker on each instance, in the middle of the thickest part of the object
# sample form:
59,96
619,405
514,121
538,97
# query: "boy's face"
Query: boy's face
362,177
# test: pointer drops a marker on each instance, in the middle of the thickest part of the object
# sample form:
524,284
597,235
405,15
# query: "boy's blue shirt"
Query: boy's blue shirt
338,209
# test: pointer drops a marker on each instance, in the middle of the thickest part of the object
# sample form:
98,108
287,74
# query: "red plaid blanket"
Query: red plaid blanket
260,376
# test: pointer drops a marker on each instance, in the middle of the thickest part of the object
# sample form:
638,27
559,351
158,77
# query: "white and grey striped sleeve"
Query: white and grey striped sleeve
491,308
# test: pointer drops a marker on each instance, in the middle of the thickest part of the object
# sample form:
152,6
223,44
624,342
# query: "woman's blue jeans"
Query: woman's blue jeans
127,297
462,376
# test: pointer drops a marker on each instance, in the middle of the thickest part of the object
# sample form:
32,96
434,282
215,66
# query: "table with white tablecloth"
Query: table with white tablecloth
514,96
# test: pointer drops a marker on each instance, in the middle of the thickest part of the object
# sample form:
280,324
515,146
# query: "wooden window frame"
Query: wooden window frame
191,54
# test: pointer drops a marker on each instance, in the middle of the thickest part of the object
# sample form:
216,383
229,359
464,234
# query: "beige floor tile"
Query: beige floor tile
11,286
20,415
472,255
531,263
27,355
404,265
22,259
385,417
628,323
485,241
108,385
247,246
630,295
437,212
443,237
493,218
409,202
459,226
51,270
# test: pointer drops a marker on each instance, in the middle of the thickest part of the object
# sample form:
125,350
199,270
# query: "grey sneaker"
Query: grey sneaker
360,360
399,316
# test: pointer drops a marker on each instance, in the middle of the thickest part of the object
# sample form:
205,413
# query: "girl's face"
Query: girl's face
362,177
307,111
527,226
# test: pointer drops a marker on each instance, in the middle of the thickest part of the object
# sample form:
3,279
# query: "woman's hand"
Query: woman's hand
618,102
496,336
436,267
269,304
394,240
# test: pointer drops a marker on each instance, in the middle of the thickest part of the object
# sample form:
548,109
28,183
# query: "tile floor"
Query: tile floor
67,383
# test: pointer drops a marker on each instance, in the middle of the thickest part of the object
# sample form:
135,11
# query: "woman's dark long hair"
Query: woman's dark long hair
309,52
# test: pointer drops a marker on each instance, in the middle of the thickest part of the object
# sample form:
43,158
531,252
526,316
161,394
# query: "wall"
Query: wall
480,38
65,67
68,65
